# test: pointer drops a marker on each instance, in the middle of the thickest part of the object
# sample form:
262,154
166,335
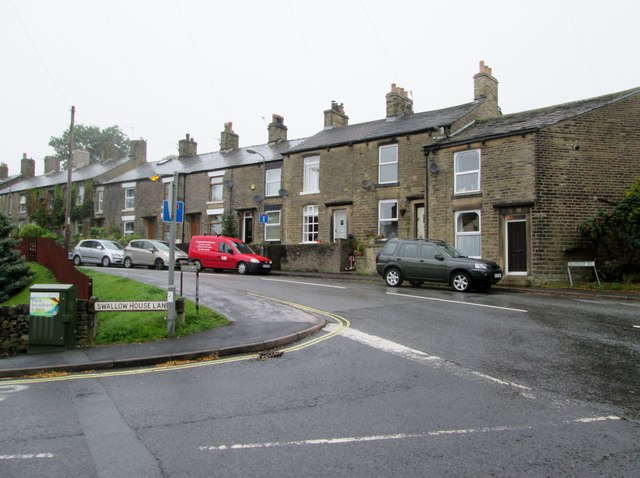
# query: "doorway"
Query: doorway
339,224
247,227
516,245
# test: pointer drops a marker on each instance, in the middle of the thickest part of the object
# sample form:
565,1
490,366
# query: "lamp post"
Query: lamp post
264,193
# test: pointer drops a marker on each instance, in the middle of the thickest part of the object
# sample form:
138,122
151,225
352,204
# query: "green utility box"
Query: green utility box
52,317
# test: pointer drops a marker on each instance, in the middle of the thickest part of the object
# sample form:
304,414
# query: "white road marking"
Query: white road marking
304,283
4,389
418,356
400,436
457,302
636,326
26,456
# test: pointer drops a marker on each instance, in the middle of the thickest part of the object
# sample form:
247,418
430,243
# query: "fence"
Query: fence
47,253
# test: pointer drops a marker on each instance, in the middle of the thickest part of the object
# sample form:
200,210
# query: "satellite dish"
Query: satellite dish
283,193
433,168
366,184
257,198
227,183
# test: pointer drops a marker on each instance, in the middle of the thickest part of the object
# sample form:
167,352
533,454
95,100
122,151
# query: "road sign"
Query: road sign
264,218
166,216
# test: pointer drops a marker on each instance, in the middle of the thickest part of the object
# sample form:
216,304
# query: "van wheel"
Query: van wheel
127,262
242,268
198,265
393,277
416,283
461,281
106,262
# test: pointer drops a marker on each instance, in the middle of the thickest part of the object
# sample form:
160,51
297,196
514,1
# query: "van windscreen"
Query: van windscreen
242,248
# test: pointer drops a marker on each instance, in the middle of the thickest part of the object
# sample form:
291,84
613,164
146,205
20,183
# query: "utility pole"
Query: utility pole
67,214
171,288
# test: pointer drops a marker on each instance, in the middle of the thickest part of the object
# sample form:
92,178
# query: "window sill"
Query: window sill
306,193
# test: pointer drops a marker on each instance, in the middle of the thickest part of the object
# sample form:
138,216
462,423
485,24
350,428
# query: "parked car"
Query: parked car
420,261
151,253
220,253
97,251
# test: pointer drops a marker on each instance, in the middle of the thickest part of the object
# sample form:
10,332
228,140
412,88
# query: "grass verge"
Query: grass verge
128,327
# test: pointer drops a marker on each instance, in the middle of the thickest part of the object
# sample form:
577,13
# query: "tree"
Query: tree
614,237
15,273
109,143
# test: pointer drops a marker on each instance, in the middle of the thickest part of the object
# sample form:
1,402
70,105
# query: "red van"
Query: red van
220,253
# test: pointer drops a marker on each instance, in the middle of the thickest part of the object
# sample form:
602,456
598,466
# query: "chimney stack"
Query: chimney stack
27,166
4,171
138,150
486,86
277,129
228,139
81,159
51,164
398,102
335,117
186,147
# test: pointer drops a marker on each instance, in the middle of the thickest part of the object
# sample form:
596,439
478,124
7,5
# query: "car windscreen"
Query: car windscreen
450,250
113,245
161,246
242,248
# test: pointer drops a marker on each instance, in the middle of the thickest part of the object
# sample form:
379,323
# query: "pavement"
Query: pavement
257,325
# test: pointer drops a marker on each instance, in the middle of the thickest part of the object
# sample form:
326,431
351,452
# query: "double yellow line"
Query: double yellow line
340,321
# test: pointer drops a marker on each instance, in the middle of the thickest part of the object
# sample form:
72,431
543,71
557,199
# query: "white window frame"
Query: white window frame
463,236
311,175
390,219
129,196
215,224
128,225
272,231
80,195
388,162
273,179
459,175
216,187
100,200
310,224
23,204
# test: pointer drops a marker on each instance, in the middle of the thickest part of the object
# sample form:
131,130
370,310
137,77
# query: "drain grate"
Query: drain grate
271,354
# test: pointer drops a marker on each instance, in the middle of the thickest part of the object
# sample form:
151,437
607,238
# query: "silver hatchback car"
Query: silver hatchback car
97,251
150,253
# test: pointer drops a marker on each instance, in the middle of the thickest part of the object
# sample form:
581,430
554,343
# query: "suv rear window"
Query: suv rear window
389,248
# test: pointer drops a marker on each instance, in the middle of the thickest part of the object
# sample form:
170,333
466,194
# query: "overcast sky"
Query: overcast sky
162,68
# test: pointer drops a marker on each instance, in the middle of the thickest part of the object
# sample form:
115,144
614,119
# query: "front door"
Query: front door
247,227
339,224
516,246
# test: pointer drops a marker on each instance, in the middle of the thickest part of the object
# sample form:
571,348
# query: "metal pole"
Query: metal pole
67,214
171,288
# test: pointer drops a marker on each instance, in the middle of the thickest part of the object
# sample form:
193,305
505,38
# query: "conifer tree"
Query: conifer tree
14,271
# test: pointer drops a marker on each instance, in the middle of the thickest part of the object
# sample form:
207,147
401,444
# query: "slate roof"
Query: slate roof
528,121
374,130
89,172
208,161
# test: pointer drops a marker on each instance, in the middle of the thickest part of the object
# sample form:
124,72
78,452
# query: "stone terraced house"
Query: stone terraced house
511,188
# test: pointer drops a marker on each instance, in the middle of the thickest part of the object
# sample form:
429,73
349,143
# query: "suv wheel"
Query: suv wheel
393,277
461,281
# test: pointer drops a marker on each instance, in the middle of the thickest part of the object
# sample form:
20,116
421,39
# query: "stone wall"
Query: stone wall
14,327
330,257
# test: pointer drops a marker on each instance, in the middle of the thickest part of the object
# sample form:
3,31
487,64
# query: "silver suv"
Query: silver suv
150,253
420,261
97,251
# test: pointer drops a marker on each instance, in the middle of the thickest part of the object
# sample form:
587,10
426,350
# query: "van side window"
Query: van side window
427,251
225,248
408,250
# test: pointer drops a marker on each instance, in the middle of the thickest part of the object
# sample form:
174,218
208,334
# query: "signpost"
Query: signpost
582,264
